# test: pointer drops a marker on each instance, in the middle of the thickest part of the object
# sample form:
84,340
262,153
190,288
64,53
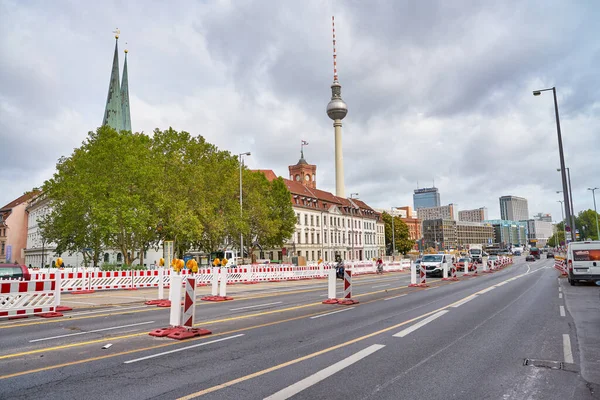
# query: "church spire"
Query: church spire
125,98
113,110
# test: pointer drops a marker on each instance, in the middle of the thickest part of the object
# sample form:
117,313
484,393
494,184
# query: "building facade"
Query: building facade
426,197
447,234
539,231
513,208
476,215
543,217
327,225
509,232
13,230
444,212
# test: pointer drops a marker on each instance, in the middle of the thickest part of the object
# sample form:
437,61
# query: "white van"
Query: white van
583,261
434,263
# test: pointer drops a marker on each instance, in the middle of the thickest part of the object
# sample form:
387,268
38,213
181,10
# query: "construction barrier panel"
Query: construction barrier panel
21,299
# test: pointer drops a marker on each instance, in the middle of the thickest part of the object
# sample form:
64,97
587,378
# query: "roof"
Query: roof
19,200
322,200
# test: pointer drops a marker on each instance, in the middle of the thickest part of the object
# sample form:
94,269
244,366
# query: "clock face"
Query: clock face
298,177
307,178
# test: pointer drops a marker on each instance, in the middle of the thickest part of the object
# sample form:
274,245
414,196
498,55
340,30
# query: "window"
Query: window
119,257
312,220
318,220
312,255
319,254
326,256
312,238
106,257
344,238
344,224
332,238
306,237
299,237
325,221
298,218
305,219
318,238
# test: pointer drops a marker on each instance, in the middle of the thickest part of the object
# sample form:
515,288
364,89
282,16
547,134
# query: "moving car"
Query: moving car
460,265
14,271
534,251
550,255
434,263
583,261
530,258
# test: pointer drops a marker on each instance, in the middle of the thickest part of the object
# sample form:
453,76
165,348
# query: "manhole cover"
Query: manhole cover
529,362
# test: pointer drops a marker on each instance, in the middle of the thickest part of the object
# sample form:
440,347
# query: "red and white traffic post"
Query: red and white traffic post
422,277
218,291
347,300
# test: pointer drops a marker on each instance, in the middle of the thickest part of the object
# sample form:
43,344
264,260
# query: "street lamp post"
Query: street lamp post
572,221
596,212
561,155
393,235
241,162
352,222
562,213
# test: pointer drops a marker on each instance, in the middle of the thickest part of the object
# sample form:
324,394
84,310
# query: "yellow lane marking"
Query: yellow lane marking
117,312
67,364
201,338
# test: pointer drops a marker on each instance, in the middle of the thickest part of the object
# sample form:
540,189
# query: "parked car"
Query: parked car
14,271
550,255
530,258
583,261
460,265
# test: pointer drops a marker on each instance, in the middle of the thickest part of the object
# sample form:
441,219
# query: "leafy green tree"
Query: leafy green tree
586,223
556,239
401,236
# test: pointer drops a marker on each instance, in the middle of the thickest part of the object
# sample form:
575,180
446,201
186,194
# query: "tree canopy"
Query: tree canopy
130,191
401,237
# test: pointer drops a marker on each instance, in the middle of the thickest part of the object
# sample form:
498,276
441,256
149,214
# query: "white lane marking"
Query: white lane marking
323,295
567,349
560,295
501,284
331,313
387,284
431,288
93,331
323,374
466,300
106,310
418,325
395,297
258,305
182,349
560,289
129,297
562,311
528,269
486,290
80,302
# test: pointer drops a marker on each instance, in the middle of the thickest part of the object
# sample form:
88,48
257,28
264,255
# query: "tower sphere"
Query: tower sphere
336,108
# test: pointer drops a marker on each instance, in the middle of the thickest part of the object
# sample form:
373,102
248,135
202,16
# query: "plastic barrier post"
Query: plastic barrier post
175,317
57,289
189,309
161,288
215,282
223,286
422,277
445,274
347,300
413,274
331,298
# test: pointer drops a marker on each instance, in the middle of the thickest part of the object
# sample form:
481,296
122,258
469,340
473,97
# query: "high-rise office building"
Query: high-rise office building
513,208
543,217
426,197
442,212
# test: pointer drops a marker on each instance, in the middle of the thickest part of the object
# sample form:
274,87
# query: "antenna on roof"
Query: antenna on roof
417,183
335,75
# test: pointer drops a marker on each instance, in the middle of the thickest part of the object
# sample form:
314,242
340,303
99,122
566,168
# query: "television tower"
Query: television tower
337,110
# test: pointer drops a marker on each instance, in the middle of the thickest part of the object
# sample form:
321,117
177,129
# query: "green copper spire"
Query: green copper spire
113,110
125,98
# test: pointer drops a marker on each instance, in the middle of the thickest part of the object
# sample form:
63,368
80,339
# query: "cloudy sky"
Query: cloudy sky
436,89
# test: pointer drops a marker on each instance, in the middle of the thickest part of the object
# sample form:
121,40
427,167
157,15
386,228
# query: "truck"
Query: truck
476,252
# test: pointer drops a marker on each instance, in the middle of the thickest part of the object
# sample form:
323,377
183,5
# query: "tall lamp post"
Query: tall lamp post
562,157
393,235
562,213
352,221
572,221
241,162
594,196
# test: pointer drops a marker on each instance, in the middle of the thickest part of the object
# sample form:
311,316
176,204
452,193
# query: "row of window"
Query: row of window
315,220
338,238
329,255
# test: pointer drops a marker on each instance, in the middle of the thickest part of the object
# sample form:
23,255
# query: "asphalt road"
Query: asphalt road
465,340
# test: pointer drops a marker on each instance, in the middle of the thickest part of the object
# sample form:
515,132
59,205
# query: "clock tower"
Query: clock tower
304,172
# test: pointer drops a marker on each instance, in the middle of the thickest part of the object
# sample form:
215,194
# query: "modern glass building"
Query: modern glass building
508,232
426,197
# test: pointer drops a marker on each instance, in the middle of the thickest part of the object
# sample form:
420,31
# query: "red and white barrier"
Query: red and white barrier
452,274
347,300
422,277
561,266
21,299
331,288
